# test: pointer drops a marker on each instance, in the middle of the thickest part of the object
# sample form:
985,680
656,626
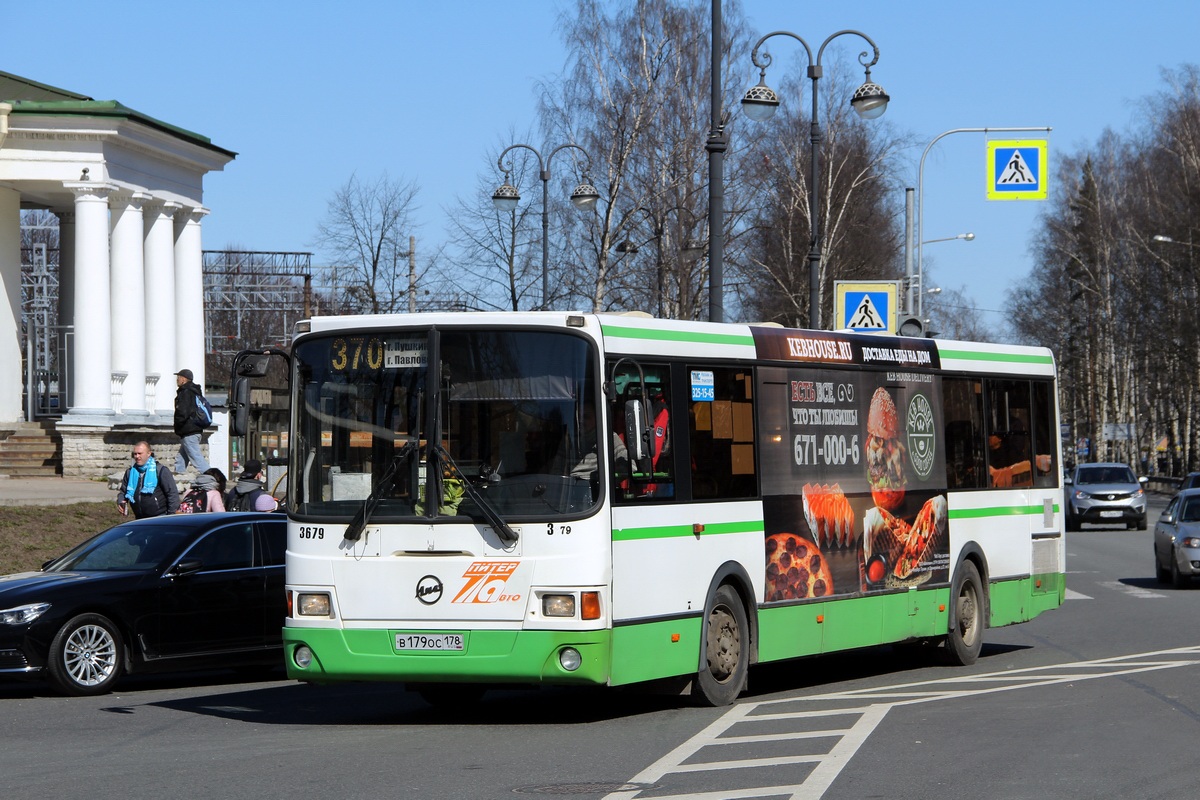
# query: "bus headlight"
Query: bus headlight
312,604
303,656
569,659
558,605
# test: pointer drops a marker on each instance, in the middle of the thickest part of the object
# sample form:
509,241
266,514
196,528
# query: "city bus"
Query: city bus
487,499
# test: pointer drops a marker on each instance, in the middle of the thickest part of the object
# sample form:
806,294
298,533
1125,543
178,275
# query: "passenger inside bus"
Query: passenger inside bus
1008,459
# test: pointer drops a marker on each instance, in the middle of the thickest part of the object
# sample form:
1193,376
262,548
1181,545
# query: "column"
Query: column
160,305
128,301
66,301
93,327
10,305
189,293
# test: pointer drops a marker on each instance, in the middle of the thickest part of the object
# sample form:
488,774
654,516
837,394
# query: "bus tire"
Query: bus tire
726,650
965,639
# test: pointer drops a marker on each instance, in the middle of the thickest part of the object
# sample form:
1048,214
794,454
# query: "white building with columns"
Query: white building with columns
128,192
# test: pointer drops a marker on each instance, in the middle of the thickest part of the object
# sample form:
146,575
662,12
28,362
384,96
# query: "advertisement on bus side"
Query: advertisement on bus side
854,481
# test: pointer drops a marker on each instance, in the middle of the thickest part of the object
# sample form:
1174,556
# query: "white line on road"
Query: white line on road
865,706
1132,591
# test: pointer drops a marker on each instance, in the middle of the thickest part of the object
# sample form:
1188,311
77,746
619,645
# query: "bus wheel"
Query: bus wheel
726,650
965,639
453,697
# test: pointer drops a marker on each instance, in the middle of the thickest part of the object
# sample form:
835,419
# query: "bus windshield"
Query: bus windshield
511,410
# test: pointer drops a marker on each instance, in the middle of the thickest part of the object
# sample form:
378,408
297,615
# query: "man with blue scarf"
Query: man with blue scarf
148,487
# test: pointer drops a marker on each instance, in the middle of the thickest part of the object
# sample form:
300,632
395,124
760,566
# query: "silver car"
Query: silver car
1105,493
1177,540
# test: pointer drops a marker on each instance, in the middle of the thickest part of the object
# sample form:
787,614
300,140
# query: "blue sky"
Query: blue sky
309,93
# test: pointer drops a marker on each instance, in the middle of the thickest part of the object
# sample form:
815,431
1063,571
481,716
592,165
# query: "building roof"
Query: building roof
33,98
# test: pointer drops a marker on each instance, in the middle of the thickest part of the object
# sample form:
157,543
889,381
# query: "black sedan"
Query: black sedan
189,591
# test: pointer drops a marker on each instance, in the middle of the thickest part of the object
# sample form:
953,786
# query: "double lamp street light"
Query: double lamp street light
506,197
760,103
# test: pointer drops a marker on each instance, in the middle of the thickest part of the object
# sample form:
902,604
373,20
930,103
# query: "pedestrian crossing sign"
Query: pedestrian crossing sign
867,307
1016,170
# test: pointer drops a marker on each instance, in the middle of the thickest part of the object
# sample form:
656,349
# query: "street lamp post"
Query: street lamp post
921,193
760,102
506,197
918,283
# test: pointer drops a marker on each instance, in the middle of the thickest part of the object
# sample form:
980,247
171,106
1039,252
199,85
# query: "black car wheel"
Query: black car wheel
1178,579
85,655
1160,572
1141,523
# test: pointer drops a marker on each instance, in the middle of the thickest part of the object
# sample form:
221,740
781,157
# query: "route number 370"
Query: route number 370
355,351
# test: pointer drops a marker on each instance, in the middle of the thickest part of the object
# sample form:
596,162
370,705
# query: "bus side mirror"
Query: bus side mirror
239,407
637,435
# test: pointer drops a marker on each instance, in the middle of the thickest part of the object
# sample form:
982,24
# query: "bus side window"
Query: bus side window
1045,440
721,435
654,477
1010,458
963,417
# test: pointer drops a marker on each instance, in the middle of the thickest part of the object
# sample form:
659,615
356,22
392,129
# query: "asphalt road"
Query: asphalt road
1096,699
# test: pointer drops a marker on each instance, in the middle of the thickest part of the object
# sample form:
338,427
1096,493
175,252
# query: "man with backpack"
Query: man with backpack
250,493
192,415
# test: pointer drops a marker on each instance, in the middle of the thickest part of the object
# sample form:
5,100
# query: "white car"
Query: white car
1105,493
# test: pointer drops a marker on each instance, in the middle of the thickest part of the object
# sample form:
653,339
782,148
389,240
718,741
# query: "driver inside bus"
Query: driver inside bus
589,464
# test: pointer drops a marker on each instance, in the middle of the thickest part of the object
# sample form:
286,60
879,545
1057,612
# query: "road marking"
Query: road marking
1132,591
1073,595
849,718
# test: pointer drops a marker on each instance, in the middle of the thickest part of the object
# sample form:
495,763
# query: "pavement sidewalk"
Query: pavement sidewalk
53,491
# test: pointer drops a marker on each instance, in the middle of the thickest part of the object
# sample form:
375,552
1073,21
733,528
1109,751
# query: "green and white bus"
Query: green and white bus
459,518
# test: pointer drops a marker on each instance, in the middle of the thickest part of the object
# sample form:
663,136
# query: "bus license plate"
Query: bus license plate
429,642
1110,513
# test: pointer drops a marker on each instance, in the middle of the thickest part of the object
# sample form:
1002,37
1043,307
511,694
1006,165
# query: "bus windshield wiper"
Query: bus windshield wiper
506,533
386,479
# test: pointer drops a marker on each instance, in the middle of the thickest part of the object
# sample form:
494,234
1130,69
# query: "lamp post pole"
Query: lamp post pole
506,197
760,102
920,286
921,193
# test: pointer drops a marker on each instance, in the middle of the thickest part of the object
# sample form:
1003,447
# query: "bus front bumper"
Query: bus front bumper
337,655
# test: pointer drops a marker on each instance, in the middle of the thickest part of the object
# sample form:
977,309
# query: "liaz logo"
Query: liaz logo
486,582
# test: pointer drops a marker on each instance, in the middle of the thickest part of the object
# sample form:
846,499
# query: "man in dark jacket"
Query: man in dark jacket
148,488
250,493
188,424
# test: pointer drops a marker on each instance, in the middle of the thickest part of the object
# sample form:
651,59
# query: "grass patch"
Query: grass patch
32,535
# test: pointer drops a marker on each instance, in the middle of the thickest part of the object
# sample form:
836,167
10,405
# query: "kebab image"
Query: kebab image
894,549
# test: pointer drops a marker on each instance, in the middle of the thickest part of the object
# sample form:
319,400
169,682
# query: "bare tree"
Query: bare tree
366,231
633,97
497,258
862,238
1116,283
